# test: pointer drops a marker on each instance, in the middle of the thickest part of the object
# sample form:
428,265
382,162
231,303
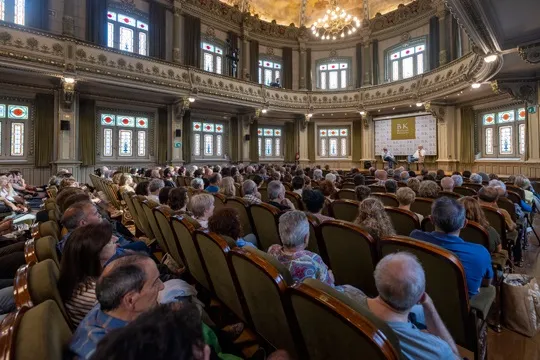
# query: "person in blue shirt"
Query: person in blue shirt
215,181
448,217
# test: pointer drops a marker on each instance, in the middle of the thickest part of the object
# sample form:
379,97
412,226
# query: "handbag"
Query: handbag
520,296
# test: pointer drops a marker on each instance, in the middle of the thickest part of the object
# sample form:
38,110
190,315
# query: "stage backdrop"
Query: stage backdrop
403,135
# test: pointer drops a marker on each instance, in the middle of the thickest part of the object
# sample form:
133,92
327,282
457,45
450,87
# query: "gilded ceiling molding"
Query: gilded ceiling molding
522,90
530,53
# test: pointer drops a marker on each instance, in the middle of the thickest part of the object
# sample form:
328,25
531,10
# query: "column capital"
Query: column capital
438,112
178,8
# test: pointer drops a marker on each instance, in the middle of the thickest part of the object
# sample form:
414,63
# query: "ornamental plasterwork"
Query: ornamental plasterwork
530,53
94,63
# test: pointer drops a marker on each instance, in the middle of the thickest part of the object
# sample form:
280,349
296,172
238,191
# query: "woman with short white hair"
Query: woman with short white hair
197,184
202,207
251,194
317,175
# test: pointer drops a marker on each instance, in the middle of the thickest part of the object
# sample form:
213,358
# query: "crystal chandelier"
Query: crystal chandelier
335,24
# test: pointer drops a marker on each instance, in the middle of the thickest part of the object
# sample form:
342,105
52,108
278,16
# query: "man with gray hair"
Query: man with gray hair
448,217
404,176
276,196
401,284
382,176
447,184
197,184
154,187
458,180
251,194
476,179
317,175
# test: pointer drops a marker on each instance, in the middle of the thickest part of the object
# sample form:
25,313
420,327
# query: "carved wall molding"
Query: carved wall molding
438,112
526,91
530,53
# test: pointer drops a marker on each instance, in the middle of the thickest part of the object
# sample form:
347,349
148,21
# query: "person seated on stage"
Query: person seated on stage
362,192
276,196
386,155
448,217
447,184
406,196
401,284
418,155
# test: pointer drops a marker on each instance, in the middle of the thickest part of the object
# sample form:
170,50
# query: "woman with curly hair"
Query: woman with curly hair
474,212
429,189
328,189
373,219
414,184
226,222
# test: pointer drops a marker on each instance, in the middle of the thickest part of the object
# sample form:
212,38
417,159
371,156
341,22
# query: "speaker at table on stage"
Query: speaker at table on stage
386,155
418,155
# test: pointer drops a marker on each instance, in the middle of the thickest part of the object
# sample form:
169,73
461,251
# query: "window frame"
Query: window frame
496,128
339,128
6,125
116,129
333,61
262,138
202,133
274,61
419,41
139,19
9,5
216,44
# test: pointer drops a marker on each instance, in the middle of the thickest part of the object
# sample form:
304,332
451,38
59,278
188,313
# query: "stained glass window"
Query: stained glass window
277,146
212,58
343,146
208,127
522,113
208,145
107,142
506,116
269,71
333,147
260,146
197,144
521,139
489,119
268,147
406,60
323,147
505,140
142,122
127,33
322,132
197,126
2,111
141,145
19,12
334,75
323,80
489,141
128,121
126,39
219,145
337,145
343,132
271,138
17,139
333,84
219,128
17,112
125,143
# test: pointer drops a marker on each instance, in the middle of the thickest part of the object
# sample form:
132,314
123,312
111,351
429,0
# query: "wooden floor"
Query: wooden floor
509,345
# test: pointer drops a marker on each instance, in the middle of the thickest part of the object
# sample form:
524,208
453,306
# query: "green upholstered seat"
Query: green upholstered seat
49,228
168,236
346,210
242,207
404,221
147,208
265,222
137,203
219,201
45,248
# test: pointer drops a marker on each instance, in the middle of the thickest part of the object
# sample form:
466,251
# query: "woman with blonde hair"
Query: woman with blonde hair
126,183
227,187
373,219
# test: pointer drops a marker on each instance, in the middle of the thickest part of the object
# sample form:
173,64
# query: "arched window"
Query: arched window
269,71
334,141
127,32
124,135
208,140
212,57
503,132
270,142
333,74
12,11
406,60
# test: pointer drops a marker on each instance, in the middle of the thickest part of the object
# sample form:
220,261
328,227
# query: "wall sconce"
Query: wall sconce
68,92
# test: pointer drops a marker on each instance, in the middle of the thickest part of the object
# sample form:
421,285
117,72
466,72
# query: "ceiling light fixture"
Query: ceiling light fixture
336,23
418,104
476,85
490,58
191,99
362,113
69,80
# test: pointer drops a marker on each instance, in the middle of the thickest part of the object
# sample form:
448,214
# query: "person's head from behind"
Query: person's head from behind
178,198
359,179
373,217
447,184
81,214
440,174
142,188
202,205
476,179
68,182
125,180
258,179
86,250
129,285
381,175
493,176
249,187
362,192
317,174
294,230
404,176
467,174
488,194
391,186
227,187
414,184
448,215
164,195
314,200
197,183
215,179
298,182
400,281
226,221
177,335
330,177
429,189
473,211
405,196
522,182
458,180
276,191
500,186
155,186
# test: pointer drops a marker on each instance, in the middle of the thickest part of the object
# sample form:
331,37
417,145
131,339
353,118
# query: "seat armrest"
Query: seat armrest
482,301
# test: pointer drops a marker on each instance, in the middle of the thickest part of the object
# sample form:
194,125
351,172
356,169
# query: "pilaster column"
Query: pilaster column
175,122
68,20
245,58
303,142
367,64
178,25
368,138
442,15
303,65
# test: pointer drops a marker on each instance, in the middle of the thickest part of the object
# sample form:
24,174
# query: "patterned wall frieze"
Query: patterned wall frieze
98,64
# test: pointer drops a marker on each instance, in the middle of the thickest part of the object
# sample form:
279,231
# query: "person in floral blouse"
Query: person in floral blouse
301,263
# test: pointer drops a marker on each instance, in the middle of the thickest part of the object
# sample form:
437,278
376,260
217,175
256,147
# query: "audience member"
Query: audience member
251,194
215,183
164,195
226,222
227,187
381,176
391,186
373,219
154,187
359,179
328,190
126,183
404,177
202,207
298,184
142,188
474,212
276,196
406,196
314,201
447,184
197,184
476,179
362,192
178,200
429,189
458,180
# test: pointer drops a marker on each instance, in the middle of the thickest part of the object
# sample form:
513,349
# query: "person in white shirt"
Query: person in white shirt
419,154
386,155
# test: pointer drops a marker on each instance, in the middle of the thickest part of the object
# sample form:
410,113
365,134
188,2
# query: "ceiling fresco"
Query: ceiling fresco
286,12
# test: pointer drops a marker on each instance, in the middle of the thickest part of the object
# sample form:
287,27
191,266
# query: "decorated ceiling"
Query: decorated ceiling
306,12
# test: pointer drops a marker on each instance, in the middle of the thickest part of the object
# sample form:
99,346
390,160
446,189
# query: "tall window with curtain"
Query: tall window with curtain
208,140
14,126
269,71
127,32
503,132
124,135
406,60
212,57
334,141
270,142
333,74
13,11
